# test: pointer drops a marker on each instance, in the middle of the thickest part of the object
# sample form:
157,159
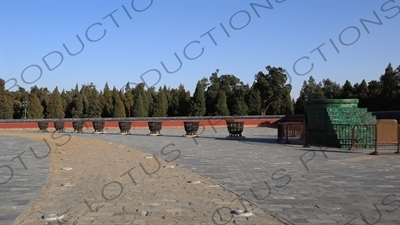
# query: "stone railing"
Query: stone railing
113,119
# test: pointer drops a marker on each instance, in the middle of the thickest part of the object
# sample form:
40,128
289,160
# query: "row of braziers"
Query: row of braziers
235,129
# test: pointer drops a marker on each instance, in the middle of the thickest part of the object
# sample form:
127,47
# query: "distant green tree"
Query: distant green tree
43,95
330,89
238,102
374,96
272,87
55,108
310,90
118,105
6,102
198,101
66,97
184,101
390,88
77,105
347,90
221,108
138,109
106,100
286,107
179,101
128,100
253,101
211,93
145,96
35,109
361,92
160,107
18,97
151,96
397,74
17,109
227,83
92,107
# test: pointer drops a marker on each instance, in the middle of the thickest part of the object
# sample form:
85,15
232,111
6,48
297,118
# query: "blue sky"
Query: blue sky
149,33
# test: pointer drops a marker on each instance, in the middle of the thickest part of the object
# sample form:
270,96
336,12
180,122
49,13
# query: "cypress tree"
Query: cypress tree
66,101
146,98
107,102
118,105
253,101
347,90
239,106
160,106
184,101
55,108
138,109
92,105
6,102
35,109
77,105
198,101
221,108
128,100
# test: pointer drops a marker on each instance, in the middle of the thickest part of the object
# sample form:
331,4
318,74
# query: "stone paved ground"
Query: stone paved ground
94,181
299,186
21,178
303,186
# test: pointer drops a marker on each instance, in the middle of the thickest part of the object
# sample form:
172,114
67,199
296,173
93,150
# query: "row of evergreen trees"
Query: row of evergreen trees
376,95
215,96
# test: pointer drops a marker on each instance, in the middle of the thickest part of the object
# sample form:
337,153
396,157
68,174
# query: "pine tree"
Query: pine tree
198,101
138,109
55,107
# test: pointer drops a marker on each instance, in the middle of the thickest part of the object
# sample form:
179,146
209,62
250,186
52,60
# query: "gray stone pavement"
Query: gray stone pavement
100,182
301,186
22,175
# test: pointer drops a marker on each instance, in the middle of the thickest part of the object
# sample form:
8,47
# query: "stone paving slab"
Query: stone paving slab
23,175
93,181
301,186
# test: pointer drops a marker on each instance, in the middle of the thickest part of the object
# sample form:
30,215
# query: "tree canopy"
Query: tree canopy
224,95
